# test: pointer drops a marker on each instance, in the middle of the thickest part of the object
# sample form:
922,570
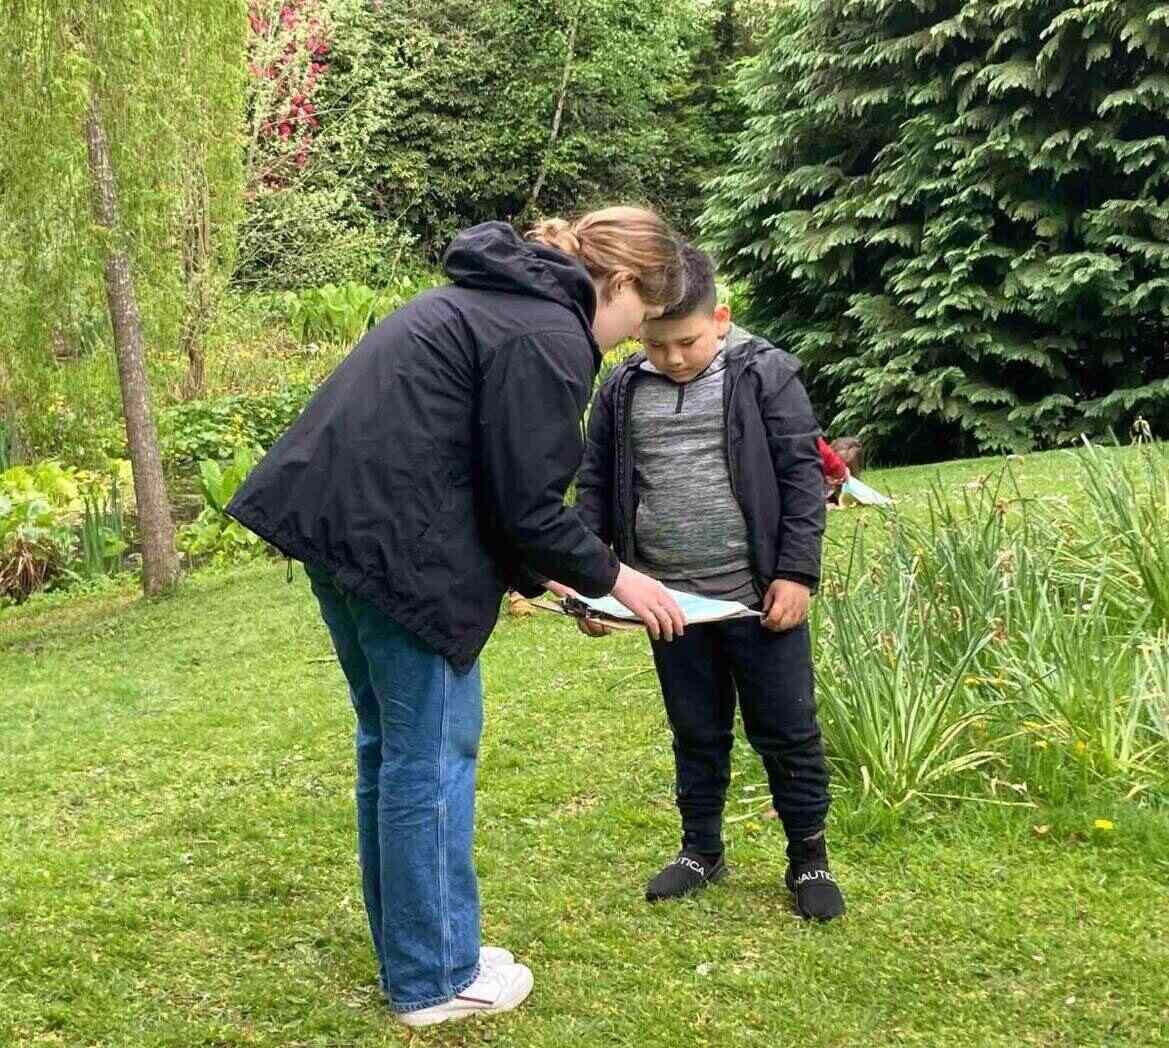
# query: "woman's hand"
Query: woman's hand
649,600
786,605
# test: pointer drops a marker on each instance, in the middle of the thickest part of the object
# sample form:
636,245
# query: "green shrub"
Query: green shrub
58,527
213,533
343,313
36,545
315,235
331,313
49,480
216,429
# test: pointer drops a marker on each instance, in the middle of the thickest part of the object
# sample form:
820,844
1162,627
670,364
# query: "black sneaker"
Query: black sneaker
685,874
811,882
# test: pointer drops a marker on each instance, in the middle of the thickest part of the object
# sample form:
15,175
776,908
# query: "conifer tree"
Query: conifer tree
955,212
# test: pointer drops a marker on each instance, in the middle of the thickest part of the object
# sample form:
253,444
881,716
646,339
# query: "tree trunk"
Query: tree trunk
570,54
155,523
725,31
198,275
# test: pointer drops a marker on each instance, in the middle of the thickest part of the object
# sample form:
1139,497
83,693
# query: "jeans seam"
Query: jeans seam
443,887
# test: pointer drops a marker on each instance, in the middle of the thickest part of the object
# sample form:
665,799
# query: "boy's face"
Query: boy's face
681,348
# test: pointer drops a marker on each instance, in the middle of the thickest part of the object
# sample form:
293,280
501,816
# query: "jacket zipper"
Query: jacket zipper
758,574
622,493
727,429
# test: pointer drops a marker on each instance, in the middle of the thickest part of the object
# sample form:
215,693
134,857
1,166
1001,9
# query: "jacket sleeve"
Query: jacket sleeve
831,463
534,394
594,483
792,432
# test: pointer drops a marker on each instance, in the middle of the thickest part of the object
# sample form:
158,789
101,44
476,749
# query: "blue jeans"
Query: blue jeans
418,727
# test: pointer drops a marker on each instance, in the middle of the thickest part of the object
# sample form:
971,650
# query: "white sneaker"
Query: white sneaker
498,989
495,956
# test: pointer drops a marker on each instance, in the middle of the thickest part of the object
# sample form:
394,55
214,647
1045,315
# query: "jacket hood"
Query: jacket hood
493,257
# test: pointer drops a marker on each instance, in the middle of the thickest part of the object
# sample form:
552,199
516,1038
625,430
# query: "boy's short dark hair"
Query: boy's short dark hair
852,451
701,294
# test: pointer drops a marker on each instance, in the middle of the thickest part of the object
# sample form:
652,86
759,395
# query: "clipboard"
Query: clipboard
609,612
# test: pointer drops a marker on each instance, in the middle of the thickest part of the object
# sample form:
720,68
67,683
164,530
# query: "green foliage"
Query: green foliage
304,234
213,533
437,115
48,480
218,428
342,314
1133,511
36,542
102,536
954,213
58,527
1003,648
168,81
331,313
5,447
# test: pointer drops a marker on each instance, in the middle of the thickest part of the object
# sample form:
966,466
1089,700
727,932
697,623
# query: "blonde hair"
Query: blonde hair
621,239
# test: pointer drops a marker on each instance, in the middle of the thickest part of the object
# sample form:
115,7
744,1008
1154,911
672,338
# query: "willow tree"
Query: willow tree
119,136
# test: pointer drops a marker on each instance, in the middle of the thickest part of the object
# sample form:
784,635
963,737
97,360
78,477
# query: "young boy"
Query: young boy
843,458
702,469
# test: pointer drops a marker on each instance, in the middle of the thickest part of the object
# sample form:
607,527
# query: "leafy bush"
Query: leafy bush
315,235
953,214
217,428
416,138
49,480
36,545
58,527
343,313
331,313
213,533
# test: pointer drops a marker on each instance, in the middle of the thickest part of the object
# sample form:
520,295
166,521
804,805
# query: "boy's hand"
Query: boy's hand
786,605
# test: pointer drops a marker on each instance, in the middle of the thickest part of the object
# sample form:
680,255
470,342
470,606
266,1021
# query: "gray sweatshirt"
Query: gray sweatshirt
689,531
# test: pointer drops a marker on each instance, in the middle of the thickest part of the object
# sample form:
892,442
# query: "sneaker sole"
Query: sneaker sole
510,1003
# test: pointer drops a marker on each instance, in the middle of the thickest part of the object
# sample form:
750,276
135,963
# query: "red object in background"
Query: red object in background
289,49
832,464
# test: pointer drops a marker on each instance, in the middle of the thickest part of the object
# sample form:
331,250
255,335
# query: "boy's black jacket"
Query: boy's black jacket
771,451
428,473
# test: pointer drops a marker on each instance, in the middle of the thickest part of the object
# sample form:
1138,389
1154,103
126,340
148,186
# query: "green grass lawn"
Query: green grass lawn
177,856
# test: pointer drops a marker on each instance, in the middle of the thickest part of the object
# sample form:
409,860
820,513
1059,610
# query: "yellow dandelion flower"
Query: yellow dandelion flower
1081,746
1104,824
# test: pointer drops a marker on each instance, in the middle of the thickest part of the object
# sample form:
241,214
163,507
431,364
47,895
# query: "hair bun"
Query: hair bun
557,233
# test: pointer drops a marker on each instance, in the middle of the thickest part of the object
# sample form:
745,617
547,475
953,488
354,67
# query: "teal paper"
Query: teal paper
865,495
694,607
